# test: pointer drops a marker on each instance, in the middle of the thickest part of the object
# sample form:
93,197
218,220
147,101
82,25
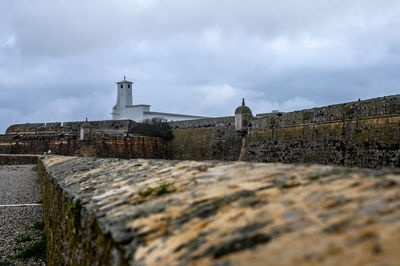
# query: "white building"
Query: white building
125,110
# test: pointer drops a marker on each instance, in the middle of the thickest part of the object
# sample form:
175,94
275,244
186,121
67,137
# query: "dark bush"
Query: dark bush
155,127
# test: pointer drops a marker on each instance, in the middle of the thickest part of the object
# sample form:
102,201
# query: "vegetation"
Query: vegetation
155,127
36,250
24,238
38,225
146,192
96,158
163,188
5,262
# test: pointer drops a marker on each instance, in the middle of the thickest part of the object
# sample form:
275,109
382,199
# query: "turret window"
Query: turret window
122,86
129,86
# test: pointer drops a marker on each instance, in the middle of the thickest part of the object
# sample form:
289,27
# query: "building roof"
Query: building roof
124,81
138,105
159,113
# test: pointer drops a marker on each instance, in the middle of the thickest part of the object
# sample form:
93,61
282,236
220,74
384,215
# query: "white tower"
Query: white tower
124,98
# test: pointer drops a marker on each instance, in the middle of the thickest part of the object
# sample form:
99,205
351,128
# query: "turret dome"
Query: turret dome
243,109
86,124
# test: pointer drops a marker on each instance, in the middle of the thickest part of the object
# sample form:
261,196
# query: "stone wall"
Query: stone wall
155,212
10,159
363,133
132,147
206,122
377,107
206,143
67,127
371,143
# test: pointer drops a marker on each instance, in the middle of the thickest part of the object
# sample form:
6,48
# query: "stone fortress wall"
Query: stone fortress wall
163,212
110,139
371,108
151,212
362,133
67,127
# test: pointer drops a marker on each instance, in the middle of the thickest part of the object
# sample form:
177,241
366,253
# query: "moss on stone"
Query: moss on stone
147,192
75,214
163,188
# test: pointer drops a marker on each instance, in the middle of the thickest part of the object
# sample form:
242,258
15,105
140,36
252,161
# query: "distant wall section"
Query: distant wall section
111,126
134,147
206,143
362,133
371,143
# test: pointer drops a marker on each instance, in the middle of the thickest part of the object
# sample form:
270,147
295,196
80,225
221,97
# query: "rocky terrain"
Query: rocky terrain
156,212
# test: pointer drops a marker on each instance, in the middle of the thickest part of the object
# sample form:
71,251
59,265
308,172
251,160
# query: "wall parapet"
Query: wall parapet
68,127
206,122
155,212
372,108
121,147
10,159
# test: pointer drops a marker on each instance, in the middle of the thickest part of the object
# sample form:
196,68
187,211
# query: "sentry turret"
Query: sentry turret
243,116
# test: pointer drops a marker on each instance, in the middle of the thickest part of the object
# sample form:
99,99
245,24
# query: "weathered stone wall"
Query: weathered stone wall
206,122
10,159
206,143
132,147
154,212
372,143
67,127
363,133
372,108
377,107
72,233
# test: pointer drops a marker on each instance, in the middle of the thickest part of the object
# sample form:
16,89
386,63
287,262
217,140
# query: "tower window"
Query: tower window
122,86
129,85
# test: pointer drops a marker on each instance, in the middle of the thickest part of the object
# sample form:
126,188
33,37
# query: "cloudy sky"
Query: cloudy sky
60,59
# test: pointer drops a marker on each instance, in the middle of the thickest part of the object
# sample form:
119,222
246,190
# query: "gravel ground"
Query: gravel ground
18,185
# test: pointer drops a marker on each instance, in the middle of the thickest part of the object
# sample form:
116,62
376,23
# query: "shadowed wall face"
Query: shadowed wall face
370,143
136,147
210,143
362,133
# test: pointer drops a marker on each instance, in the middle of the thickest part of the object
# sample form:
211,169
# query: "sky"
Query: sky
60,59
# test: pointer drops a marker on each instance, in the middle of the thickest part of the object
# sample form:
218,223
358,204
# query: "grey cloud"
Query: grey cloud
59,59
